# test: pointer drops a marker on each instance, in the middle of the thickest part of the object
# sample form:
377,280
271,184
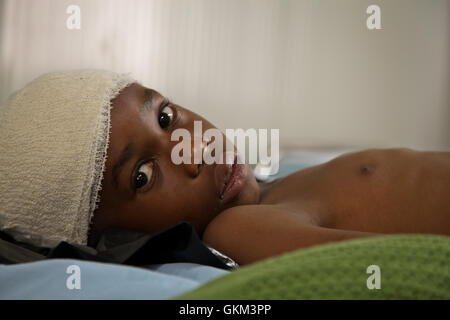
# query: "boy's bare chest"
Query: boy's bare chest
373,191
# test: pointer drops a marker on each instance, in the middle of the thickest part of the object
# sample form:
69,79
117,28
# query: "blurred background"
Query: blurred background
309,68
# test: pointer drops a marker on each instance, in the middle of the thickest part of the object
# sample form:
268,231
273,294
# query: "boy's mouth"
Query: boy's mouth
232,180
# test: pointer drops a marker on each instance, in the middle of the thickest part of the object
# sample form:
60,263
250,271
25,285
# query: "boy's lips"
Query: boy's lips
230,180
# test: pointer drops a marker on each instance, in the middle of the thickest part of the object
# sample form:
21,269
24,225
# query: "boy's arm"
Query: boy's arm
251,233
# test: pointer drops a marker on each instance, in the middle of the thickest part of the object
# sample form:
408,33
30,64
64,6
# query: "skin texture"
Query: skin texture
361,194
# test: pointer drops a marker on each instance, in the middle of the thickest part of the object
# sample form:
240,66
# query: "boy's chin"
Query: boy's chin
250,193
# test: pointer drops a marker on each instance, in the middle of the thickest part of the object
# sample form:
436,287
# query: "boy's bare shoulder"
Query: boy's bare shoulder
237,231
254,232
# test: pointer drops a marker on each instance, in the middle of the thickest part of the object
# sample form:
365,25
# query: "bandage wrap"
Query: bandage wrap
54,135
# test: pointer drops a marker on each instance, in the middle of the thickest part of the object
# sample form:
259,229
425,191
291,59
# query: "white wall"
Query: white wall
310,68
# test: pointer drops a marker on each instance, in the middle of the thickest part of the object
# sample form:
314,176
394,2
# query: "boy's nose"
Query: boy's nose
197,150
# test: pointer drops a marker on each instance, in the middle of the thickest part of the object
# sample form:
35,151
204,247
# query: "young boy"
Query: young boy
356,195
95,167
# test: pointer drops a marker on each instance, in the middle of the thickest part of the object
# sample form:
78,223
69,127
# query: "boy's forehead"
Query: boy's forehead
137,96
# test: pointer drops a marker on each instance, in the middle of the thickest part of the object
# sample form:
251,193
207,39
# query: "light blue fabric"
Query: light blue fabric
47,279
192,271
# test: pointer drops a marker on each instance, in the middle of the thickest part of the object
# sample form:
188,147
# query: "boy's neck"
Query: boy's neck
265,188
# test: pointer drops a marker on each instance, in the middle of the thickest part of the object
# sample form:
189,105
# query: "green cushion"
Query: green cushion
411,267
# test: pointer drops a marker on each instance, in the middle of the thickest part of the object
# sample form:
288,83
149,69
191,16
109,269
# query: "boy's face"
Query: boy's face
148,192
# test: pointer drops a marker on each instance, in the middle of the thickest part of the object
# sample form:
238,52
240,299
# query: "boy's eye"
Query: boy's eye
165,117
143,175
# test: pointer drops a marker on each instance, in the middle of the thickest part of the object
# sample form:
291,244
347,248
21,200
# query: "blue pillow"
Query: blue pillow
77,279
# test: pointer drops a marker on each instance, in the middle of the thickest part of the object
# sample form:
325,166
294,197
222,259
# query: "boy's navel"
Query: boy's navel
366,169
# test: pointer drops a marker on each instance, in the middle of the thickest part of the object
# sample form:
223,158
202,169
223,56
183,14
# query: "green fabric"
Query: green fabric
411,267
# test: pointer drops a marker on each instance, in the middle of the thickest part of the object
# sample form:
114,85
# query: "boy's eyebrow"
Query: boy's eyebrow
148,104
125,155
128,152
